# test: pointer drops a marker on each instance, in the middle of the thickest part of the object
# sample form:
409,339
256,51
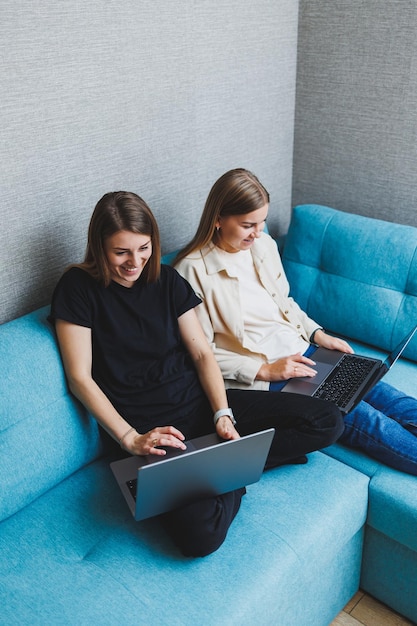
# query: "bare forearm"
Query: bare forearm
212,381
97,403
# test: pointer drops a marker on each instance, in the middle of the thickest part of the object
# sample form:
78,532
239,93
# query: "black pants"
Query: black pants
301,425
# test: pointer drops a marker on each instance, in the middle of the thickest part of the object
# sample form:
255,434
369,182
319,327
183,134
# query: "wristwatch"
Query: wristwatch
218,414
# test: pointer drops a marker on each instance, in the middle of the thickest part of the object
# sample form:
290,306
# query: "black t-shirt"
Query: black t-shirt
139,360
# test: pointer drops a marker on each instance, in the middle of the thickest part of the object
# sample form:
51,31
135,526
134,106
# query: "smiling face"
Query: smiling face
127,254
238,232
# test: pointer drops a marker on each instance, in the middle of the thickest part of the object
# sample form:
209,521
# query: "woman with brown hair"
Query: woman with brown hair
135,355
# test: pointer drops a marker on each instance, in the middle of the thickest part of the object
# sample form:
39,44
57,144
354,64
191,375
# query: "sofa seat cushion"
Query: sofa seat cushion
354,458
392,496
390,549
389,573
392,506
75,555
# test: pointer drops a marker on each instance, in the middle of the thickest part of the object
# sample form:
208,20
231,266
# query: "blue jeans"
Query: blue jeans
384,425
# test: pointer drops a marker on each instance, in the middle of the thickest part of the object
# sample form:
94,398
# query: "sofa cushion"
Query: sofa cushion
356,276
389,573
392,506
75,555
389,570
45,433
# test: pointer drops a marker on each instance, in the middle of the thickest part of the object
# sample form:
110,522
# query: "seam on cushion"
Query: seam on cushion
358,282
41,409
274,533
413,260
109,574
353,280
89,561
394,325
330,219
288,257
361,282
320,264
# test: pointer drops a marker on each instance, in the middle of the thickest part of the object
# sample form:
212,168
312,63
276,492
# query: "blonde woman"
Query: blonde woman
259,335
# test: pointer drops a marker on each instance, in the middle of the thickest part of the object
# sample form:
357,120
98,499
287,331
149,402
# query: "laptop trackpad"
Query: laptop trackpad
307,385
323,369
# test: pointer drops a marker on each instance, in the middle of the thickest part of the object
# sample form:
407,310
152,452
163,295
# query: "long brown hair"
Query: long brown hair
237,192
116,211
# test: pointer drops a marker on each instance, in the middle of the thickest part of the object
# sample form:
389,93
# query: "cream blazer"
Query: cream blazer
220,313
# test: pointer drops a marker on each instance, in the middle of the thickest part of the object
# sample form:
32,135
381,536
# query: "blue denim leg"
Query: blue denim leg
382,435
395,404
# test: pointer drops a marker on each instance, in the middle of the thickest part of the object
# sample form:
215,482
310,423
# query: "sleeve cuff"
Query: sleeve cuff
314,332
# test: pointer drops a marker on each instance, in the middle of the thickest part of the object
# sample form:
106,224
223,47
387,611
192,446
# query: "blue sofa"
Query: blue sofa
304,540
358,277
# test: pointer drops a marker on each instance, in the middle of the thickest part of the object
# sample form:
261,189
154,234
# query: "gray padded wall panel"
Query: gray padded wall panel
150,96
355,143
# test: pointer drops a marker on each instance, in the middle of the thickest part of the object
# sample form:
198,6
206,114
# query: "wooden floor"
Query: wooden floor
365,610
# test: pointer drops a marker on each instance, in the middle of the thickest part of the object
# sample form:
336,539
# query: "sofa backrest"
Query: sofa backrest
45,434
356,276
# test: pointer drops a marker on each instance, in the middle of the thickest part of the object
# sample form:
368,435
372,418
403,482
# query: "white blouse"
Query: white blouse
264,325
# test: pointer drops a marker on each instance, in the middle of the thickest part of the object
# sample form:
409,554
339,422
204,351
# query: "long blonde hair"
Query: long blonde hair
237,192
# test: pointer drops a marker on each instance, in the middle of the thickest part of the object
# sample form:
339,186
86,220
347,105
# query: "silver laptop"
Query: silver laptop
344,379
209,466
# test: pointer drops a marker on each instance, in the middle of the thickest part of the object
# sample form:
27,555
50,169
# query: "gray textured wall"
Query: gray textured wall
356,107
151,96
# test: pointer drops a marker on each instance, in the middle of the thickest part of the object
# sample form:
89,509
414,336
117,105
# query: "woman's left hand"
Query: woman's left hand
225,428
331,343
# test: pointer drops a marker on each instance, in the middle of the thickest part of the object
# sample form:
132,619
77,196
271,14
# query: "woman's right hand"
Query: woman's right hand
150,442
294,366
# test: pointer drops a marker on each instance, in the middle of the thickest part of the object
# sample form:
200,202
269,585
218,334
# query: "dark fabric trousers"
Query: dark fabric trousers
302,425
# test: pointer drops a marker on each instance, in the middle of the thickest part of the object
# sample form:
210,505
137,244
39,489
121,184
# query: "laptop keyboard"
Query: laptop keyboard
343,382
